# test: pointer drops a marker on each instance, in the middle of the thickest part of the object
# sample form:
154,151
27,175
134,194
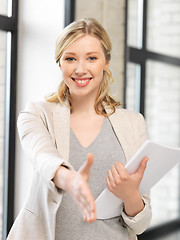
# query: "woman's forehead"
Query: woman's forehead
87,43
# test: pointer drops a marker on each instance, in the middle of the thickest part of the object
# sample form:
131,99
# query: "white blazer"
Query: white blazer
44,130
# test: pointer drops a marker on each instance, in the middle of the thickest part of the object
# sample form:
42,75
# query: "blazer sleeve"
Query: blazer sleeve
38,144
139,223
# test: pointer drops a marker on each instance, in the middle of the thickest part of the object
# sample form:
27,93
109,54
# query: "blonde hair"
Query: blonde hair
70,34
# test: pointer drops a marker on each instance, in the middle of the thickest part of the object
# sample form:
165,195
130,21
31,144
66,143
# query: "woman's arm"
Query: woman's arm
37,143
133,217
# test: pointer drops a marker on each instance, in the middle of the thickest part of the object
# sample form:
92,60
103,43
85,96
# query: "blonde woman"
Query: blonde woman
78,142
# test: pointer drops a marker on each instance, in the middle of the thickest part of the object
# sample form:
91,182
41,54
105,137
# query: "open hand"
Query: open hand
78,188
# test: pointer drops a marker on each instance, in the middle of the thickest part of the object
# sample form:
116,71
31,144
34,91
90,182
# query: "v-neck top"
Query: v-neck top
69,221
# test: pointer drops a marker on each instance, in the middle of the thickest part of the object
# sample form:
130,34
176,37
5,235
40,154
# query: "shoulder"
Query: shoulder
134,123
42,107
131,120
133,116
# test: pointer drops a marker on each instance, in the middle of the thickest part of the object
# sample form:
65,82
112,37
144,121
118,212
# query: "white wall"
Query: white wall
39,25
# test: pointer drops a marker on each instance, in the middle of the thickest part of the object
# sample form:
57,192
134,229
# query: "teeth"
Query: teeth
82,81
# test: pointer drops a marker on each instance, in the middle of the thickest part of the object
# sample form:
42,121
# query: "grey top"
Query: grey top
69,222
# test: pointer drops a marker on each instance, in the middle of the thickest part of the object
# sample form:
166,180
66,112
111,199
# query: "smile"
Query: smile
82,82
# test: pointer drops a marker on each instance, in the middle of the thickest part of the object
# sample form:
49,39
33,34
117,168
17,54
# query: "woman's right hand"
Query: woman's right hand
76,184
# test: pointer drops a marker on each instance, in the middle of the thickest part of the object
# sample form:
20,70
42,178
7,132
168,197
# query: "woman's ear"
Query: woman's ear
106,66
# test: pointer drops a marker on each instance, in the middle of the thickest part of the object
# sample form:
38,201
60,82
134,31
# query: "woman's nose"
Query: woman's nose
81,68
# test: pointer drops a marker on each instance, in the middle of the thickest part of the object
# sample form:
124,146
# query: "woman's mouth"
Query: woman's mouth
82,82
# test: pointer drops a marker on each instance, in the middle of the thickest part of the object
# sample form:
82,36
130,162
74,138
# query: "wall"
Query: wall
39,25
111,15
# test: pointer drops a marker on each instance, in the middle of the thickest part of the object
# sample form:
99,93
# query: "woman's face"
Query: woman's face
82,65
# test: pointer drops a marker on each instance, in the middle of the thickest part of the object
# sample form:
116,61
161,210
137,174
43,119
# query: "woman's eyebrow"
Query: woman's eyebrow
71,53
89,53
74,54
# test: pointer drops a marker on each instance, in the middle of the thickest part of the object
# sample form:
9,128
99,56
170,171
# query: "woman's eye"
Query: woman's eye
70,59
92,58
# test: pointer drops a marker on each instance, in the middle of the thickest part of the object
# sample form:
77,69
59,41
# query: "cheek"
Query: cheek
99,70
66,70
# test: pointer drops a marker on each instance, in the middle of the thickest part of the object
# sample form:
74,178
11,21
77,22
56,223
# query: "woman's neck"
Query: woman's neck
83,106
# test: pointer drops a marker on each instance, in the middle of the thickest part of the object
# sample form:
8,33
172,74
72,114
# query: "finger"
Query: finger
119,167
142,166
85,210
110,176
115,174
123,174
84,203
108,183
92,217
85,168
88,200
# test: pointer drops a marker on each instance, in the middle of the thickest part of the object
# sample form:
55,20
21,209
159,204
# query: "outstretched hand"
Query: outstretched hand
78,188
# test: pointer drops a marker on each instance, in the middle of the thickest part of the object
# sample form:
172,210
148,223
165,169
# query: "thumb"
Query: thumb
142,166
85,168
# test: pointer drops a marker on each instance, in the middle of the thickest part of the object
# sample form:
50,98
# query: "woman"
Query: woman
78,129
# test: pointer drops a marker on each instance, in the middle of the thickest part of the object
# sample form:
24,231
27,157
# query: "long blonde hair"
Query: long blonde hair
71,33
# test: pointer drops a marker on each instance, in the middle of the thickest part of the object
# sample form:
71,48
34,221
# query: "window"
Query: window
8,61
152,87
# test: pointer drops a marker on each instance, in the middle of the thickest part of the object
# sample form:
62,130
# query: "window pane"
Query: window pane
6,7
3,40
162,111
134,20
133,87
163,27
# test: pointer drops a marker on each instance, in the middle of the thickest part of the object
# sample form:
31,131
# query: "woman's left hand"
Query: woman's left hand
126,186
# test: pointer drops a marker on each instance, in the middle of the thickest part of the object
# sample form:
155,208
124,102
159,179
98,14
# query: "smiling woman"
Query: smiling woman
79,141
82,64
91,38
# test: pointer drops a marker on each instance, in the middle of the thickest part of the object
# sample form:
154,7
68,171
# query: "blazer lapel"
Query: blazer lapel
61,119
119,123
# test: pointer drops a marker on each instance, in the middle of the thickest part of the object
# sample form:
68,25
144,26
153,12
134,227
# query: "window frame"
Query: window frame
140,56
10,24
69,12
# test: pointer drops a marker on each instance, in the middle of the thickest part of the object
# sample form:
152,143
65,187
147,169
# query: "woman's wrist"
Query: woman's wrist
62,177
134,205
